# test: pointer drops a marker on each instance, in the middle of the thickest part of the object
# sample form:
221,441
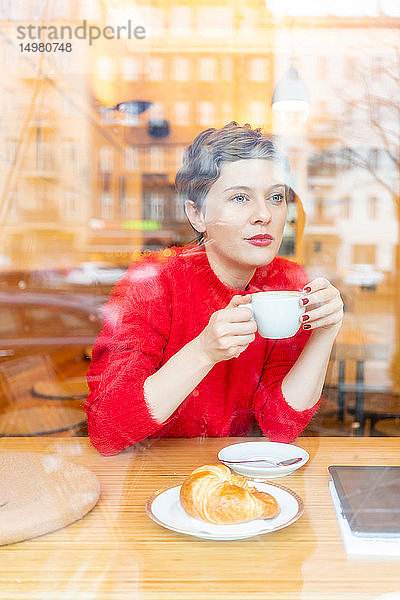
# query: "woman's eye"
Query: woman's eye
276,198
240,198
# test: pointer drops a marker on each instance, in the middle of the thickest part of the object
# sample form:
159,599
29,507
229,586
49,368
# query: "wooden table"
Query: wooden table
117,552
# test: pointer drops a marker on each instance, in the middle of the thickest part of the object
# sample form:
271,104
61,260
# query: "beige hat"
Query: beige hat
40,493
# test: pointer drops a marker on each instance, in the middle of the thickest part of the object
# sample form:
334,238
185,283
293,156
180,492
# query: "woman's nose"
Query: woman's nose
261,213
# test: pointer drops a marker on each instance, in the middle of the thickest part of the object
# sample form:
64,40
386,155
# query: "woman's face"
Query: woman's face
244,212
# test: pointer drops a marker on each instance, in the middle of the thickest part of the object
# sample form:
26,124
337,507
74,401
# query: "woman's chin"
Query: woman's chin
259,256
245,254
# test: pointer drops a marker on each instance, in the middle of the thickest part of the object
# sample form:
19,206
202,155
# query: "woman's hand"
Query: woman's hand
324,306
229,331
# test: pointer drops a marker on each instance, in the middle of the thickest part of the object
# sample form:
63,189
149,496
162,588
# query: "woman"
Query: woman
178,354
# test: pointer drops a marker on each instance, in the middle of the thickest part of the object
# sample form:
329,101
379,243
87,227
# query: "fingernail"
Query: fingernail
307,289
304,301
305,317
307,326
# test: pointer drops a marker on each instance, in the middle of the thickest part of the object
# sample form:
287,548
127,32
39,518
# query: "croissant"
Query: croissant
213,493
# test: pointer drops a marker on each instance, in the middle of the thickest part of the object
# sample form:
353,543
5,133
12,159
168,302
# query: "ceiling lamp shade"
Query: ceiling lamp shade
291,93
133,107
158,128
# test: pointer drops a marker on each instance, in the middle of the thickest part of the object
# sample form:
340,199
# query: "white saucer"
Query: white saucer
164,508
267,450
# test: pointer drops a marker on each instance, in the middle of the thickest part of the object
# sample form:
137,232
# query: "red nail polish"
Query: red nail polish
305,317
307,289
304,301
307,326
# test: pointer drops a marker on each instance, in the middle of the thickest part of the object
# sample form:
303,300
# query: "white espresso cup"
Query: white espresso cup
277,313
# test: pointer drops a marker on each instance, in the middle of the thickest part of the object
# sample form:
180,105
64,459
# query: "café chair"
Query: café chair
18,374
347,375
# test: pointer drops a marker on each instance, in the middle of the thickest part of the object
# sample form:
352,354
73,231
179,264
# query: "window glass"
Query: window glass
102,103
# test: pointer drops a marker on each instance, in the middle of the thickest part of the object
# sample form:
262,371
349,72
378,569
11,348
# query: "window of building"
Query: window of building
257,112
206,113
180,69
131,159
155,69
181,110
180,20
106,115
103,68
106,159
214,21
106,205
248,20
156,111
156,158
207,69
12,146
71,156
130,68
156,20
155,207
58,10
179,150
258,69
104,182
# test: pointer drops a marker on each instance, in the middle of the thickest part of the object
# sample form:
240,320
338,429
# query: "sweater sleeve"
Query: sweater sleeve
277,419
128,350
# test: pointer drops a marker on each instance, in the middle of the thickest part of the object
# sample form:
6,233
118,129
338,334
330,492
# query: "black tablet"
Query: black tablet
370,498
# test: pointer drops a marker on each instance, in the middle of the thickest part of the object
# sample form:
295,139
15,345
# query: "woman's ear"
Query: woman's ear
195,216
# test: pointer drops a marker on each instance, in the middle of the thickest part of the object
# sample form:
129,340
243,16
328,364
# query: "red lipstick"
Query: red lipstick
261,239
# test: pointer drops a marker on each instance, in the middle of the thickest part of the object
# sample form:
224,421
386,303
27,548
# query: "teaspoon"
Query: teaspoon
281,463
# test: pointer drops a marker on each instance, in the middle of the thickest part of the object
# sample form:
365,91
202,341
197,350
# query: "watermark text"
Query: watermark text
81,32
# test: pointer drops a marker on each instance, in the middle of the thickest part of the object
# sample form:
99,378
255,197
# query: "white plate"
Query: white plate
254,450
164,508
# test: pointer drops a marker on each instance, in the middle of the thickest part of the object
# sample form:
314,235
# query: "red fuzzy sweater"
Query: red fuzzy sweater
156,309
